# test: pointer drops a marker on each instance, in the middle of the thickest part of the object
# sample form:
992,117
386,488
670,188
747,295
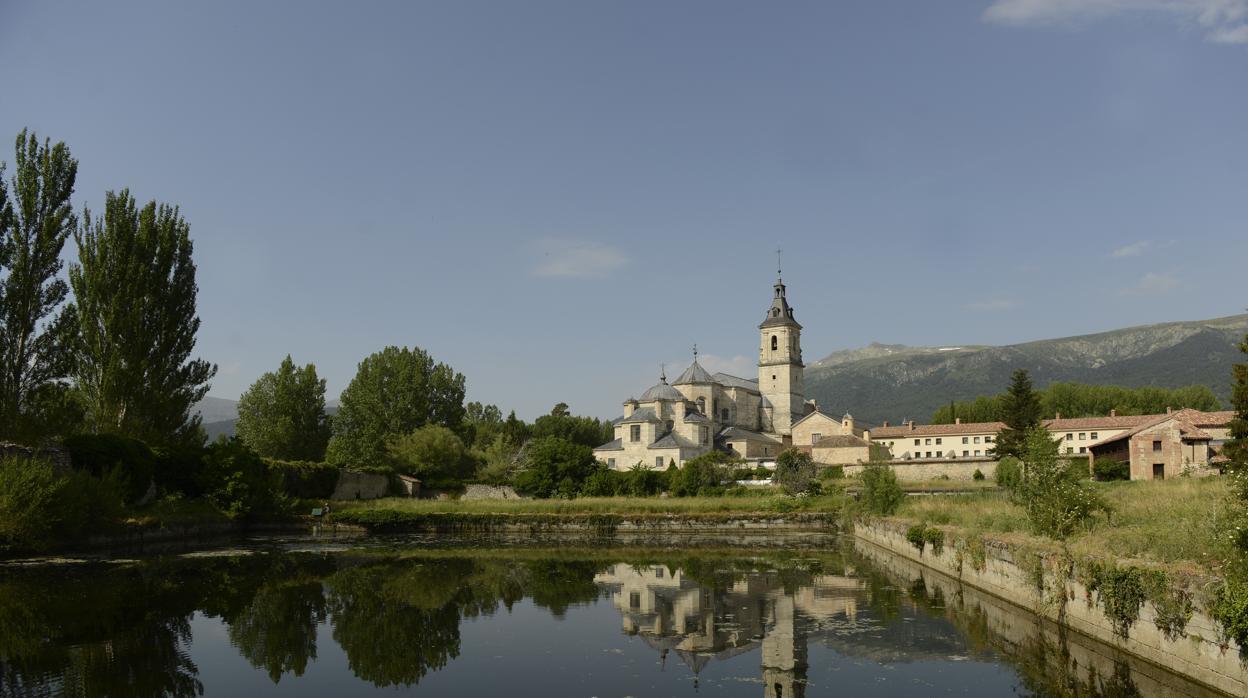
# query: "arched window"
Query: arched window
775,342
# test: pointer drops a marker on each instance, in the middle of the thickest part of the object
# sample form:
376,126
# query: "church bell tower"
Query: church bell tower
780,366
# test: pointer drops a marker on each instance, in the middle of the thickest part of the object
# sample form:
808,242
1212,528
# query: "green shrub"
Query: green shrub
602,483
832,472
237,480
701,476
555,468
1230,610
978,476
641,481
100,453
795,471
881,493
177,469
920,535
1110,469
39,508
1009,473
914,534
304,479
1054,492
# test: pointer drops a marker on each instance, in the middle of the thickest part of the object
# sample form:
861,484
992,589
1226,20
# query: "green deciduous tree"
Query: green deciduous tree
282,415
431,453
795,471
555,467
135,294
1021,413
586,431
881,493
34,225
394,392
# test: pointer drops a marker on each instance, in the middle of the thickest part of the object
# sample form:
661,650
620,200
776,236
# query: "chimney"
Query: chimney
1169,409
912,425
957,420
1113,413
1057,416
886,422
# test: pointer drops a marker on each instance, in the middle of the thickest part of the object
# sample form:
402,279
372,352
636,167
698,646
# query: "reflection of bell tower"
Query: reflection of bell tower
784,653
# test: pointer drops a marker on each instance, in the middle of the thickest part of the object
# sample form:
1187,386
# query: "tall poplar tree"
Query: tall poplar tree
1021,413
34,225
282,415
134,290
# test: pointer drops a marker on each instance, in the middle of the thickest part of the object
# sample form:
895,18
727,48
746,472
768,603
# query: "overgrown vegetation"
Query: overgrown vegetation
881,493
795,471
1055,492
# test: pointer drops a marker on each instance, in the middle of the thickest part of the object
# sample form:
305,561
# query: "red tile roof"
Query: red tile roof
1193,418
906,430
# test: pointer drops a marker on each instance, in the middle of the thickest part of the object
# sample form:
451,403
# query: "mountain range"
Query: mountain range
896,382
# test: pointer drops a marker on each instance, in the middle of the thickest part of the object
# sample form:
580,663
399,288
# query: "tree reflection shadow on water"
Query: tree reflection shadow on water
125,629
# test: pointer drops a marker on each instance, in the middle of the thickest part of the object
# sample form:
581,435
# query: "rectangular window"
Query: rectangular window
634,433
658,572
987,439
814,438
611,463
1070,436
1156,447
634,599
927,442
929,454
658,462
1094,436
977,452
976,439
1083,436
1083,449
937,442
965,454
916,442
966,439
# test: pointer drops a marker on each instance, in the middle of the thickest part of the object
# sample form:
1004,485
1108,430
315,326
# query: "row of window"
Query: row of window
938,454
939,441
1083,436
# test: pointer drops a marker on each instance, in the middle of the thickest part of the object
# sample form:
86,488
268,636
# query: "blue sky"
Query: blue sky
558,197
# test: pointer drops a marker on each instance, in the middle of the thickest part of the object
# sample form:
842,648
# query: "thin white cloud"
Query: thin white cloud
571,258
989,306
1222,21
1135,249
1152,284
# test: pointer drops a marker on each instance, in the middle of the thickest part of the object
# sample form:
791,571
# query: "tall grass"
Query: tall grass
1167,521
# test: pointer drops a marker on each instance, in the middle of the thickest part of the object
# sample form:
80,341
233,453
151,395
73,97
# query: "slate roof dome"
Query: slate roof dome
661,391
694,374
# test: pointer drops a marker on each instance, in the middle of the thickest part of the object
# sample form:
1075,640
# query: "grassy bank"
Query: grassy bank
1171,522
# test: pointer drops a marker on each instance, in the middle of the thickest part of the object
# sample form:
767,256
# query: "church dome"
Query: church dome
661,391
693,375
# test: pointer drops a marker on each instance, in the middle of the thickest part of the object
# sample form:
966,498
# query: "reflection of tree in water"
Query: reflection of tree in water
277,630
1047,669
125,633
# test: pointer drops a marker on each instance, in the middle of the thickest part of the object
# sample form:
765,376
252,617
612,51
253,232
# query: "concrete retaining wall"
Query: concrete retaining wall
1198,654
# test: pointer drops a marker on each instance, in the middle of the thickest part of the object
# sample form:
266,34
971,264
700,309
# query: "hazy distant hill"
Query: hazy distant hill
897,382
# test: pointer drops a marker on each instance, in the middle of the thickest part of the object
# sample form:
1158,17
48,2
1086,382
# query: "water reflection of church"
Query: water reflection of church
674,614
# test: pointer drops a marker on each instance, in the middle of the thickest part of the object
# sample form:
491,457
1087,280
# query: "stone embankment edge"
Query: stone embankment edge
598,524
1200,653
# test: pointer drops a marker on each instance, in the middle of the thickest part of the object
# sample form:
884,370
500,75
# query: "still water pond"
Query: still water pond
412,616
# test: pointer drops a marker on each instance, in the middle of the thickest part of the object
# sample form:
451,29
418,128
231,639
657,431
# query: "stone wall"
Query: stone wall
936,469
57,457
472,492
357,485
1199,653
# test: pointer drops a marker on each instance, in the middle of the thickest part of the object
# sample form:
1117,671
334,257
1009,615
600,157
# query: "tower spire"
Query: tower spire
779,267
695,351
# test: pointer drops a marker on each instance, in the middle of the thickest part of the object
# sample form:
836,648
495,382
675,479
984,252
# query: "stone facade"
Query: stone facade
357,485
699,412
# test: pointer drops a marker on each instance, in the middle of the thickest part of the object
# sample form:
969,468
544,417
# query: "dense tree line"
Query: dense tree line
1082,400
116,357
